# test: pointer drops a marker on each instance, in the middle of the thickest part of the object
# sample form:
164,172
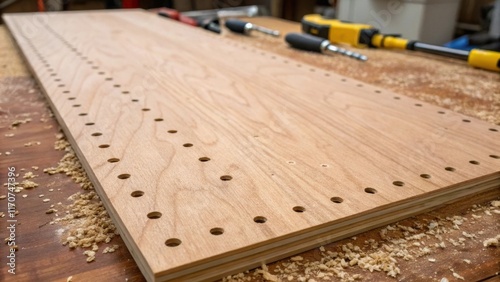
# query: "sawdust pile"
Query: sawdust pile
86,219
397,242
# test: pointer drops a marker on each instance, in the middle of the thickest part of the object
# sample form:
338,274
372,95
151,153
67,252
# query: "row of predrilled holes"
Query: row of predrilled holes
442,113
376,91
174,242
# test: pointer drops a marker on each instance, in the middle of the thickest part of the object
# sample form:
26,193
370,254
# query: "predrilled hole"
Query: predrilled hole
57,79
135,100
82,114
474,162
146,109
117,85
109,78
299,209
204,159
96,134
312,70
61,85
397,98
217,231
226,177
449,168
71,98
137,194
125,92
53,74
95,67
65,91
101,73
327,74
336,200
378,91
124,176
466,120
158,119
493,129
187,145
77,105
260,219
441,112
291,162
113,160
418,105
89,123
359,85
343,80
154,215
398,183
172,131
104,146
495,156
425,175
324,165
173,242
370,190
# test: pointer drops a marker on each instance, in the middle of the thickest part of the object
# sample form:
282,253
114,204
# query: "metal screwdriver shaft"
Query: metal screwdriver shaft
316,44
345,52
246,27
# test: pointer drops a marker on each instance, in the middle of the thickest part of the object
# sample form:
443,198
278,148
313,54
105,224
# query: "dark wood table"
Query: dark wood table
41,256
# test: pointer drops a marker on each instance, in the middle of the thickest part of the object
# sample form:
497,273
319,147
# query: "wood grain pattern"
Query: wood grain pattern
291,137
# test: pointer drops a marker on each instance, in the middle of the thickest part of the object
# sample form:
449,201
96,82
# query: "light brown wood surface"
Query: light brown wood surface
288,134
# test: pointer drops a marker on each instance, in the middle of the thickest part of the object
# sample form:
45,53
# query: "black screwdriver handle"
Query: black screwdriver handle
236,25
304,41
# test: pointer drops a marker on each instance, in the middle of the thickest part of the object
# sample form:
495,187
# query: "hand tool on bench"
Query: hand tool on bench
317,44
363,35
243,27
208,23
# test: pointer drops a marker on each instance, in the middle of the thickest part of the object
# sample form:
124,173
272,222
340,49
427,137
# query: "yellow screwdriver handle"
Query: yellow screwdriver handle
484,59
383,41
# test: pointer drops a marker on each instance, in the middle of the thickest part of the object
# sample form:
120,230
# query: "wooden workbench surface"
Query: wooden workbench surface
440,81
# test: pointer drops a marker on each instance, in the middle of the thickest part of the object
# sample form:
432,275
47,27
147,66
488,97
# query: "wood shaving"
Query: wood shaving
28,184
90,255
69,279
17,123
9,135
29,175
3,197
31,143
110,249
46,200
492,242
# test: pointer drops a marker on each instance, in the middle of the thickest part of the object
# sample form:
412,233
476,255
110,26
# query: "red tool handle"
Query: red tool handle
169,13
188,20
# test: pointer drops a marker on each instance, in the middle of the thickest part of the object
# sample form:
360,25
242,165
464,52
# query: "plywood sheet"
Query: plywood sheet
213,157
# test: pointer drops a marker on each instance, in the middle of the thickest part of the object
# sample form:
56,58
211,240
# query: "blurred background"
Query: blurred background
461,24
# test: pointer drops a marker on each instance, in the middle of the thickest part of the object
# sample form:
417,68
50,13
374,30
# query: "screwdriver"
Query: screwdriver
246,27
312,43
